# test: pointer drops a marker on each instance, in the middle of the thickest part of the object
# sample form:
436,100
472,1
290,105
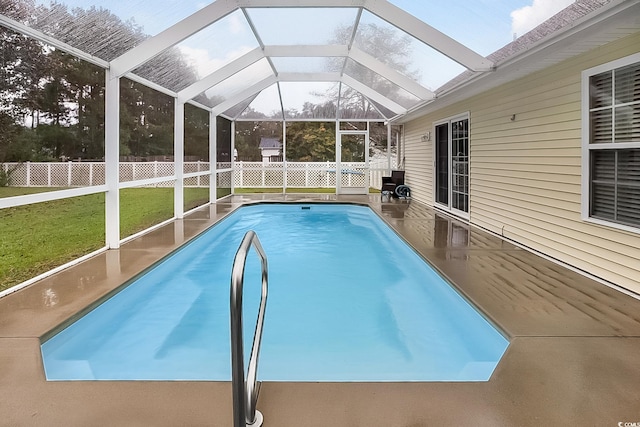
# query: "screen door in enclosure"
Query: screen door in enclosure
452,165
352,162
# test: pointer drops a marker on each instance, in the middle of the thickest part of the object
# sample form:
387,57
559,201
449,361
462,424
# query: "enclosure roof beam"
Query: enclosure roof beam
221,74
221,8
42,37
398,18
306,50
392,75
365,90
372,94
197,21
429,35
357,55
173,35
309,77
301,3
150,84
245,94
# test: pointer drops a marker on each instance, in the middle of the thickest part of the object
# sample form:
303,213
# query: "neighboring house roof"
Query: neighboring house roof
565,18
269,143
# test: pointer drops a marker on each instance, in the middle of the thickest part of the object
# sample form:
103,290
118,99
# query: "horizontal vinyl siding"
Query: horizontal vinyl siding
419,163
526,173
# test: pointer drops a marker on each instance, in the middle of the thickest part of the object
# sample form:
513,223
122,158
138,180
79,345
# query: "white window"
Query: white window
611,143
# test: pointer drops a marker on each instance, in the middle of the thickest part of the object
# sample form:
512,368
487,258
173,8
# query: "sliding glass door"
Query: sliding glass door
452,165
442,164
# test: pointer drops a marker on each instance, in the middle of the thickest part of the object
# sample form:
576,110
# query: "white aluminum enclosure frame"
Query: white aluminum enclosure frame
123,65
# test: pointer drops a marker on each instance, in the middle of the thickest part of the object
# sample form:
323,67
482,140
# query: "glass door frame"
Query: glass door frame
351,190
449,205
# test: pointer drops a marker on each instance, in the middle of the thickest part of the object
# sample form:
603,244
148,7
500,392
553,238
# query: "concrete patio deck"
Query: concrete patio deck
573,358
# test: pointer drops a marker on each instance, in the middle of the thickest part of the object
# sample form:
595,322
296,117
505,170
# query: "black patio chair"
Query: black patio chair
391,183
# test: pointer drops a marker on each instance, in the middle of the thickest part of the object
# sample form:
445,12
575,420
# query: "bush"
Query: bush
5,176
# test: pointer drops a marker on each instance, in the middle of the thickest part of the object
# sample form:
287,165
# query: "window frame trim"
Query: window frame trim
587,147
448,208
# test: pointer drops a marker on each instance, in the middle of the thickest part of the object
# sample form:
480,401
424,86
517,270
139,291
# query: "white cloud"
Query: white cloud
237,24
205,64
529,17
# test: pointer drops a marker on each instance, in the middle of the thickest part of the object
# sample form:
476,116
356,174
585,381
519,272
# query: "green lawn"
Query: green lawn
21,191
36,238
39,237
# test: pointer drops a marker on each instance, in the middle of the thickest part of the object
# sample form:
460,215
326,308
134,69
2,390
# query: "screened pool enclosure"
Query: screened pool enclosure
235,94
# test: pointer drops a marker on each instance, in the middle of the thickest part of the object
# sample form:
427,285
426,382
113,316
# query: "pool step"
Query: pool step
161,314
68,369
416,315
477,370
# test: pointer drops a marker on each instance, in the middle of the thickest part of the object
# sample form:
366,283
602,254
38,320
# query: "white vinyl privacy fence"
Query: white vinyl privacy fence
86,174
246,174
306,174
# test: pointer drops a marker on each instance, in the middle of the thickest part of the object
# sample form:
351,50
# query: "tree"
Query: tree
311,141
196,132
63,95
386,45
146,121
95,30
23,65
21,61
313,111
8,133
86,85
249,134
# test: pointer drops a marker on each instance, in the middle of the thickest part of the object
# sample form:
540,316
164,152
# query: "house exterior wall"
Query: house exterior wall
268,152
525,180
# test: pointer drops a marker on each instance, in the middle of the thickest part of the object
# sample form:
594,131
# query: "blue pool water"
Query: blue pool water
348,301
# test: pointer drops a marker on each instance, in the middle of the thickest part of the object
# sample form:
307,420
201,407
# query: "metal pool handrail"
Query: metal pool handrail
245,395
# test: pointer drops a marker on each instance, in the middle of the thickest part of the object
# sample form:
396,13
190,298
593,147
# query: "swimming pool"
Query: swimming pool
348,301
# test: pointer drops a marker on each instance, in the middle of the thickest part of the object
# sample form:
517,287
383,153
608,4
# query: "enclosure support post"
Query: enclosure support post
338,158
233,157
284,157
213,161
388,172
178,159
112,160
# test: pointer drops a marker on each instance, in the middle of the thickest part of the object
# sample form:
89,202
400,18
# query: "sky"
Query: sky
482,25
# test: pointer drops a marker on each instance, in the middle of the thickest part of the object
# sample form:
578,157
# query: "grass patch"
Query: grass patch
21,191
36,238
249,190
39,237
141,208
311,190
194,197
